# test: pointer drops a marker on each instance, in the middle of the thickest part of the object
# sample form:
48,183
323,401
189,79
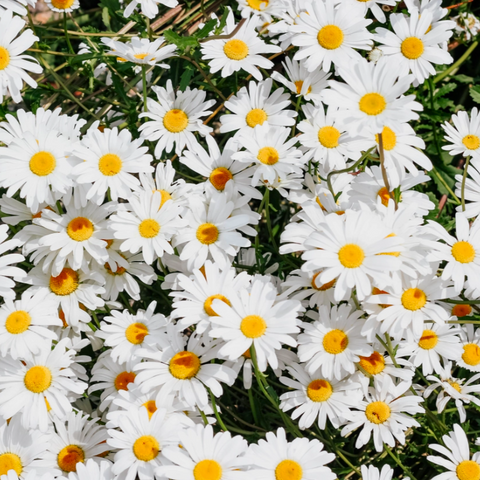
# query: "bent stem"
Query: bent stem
464,179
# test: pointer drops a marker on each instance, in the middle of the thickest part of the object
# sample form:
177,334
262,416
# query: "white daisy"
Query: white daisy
6,261
147,227
110,161
257,317
463,136
92,470
384,413
372,96
254,106
24,324
201,455
13,65
302,459
17,6
470,358
314,396
333,343
63,6
373,473
141,51
175,118
330,33
33,387
378,13
413,44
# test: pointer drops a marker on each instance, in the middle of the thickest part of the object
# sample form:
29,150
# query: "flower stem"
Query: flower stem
144,83
215,411
464,179
67,38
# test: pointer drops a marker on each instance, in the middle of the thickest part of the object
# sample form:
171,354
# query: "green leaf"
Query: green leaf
106,17
463,78
180,42
223,22
186,77
43,46
207,28
81,58
475,93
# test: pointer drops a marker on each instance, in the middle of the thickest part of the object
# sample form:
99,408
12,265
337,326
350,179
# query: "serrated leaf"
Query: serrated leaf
207,28
475,93
180,42
449,87
463,78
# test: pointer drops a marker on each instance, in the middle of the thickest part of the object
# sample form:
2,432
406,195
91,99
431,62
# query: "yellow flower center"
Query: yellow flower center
69,456
268,155
151,407
208,304
472,142
428,340
219,177
456,386
325,286
328,137
374,364
330,37
377,412
461,310
412,48
288,470
319,390
140,56
17,322
389,138
351,255
175,121
414,299
149,228
468,470
165,196
207,470
235,49
253,326
372,104
110,164
80,229
257,4
335,342
42,164
146,448
10,461
66,283
123,379
463,252
256,117
207,233
184,365
4,58
471,354
38,379
384,195
136,333
119,271
62,4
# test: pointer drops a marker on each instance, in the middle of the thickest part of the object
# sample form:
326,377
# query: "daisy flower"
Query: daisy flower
110,161
302,459
24,324
201,455
17,6
333,343
73,290
211,232
184,373
435,343
269,150
63,6
147,227
256,317
6,261
471,191
243,51
317,398
470,358
326,140
372,96
76,440
92,470
331,33
463,136
22,450
383,413
219,167
263,9
373,473
254,106
140,50
378,13
37,167
408,306
127,333
302,82
459,464
34,387
347,247
175,118
140,443
13,65
193,302
413,44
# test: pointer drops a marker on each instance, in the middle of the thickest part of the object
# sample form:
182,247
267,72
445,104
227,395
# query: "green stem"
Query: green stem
267,216
65,30
144,82
457,64
381,154
399,463
204,417
215,411
464,179
445,184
